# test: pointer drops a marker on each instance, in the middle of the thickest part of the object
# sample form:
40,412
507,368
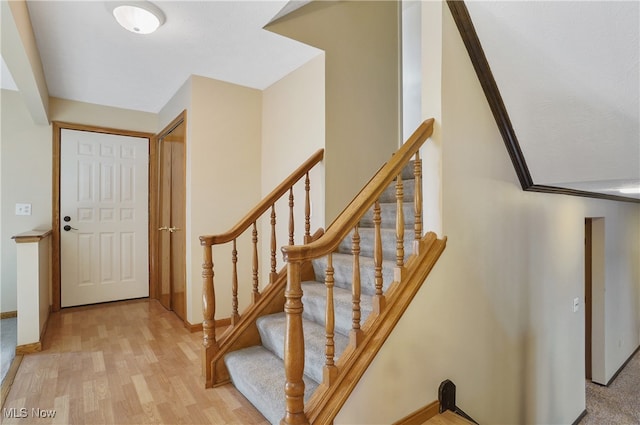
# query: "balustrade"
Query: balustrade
347,222
249,226
298,258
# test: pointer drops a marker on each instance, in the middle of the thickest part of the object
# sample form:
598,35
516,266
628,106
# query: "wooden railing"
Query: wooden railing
346,223
249,224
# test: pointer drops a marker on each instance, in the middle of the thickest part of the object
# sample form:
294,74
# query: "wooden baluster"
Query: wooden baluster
209,343
417,202
379,300
399,222
255,296
330,370
273,275
235,317
307,209
294,350
356,333
399,269
291,225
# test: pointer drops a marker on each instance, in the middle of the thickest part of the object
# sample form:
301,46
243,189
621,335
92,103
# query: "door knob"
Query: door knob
163,228
173,229
67,228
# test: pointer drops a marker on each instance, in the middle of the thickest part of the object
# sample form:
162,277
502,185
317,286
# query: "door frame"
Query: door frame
154,207
588,296
598,290
57,127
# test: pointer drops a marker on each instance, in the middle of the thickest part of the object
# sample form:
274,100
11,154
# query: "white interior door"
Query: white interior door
103,217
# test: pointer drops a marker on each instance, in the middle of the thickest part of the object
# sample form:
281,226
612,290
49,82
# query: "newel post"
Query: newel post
209,343
294,350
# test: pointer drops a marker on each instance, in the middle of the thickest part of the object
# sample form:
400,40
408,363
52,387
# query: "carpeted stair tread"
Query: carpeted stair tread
388,216
315,306
259,375
271,328
343,272
388,236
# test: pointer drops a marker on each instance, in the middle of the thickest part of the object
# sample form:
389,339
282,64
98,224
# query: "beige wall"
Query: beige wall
292,130
26,178
27,147
20,52
495,315
180,101
102,116
223,182
361,43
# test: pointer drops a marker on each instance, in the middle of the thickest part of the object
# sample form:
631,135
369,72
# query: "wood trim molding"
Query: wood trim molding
8,314
472,43
192,328
99,129
154,208
487,81
31,236
421,415
57,126
23,349
221,322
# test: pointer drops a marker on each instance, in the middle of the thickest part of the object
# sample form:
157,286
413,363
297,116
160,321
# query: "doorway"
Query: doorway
106,254
588,296
595,292
170,264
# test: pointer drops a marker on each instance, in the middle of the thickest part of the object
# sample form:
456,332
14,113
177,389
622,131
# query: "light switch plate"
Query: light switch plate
576,305
23,209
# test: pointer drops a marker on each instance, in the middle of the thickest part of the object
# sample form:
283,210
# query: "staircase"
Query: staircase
299,350
254,370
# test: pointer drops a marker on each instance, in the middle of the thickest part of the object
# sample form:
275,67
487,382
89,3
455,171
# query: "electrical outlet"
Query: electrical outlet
576,305
23,209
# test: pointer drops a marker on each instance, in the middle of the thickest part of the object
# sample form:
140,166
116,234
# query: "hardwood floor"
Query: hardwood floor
129,362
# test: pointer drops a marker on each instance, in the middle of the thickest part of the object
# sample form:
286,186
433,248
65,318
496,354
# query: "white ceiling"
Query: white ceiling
568,72
569,76
88,57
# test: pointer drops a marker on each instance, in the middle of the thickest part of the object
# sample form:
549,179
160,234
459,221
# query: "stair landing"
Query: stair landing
448,418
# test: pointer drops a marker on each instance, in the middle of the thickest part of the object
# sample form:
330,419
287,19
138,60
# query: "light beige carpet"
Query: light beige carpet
619,403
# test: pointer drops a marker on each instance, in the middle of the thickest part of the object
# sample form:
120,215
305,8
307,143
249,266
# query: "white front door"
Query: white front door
103,217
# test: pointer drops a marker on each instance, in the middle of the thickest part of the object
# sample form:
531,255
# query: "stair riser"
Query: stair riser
272,331
315,306
388,237
388,216
408,189
343,272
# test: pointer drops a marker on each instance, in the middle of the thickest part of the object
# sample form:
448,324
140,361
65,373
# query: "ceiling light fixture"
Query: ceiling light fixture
630,190
140,17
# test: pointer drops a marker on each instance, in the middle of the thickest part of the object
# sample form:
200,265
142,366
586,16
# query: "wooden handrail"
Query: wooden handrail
296,255
265,204
346,221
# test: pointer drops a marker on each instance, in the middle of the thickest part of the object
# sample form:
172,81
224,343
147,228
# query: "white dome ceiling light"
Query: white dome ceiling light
140,17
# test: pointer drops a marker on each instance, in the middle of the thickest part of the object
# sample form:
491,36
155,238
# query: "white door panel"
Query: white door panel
104,194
